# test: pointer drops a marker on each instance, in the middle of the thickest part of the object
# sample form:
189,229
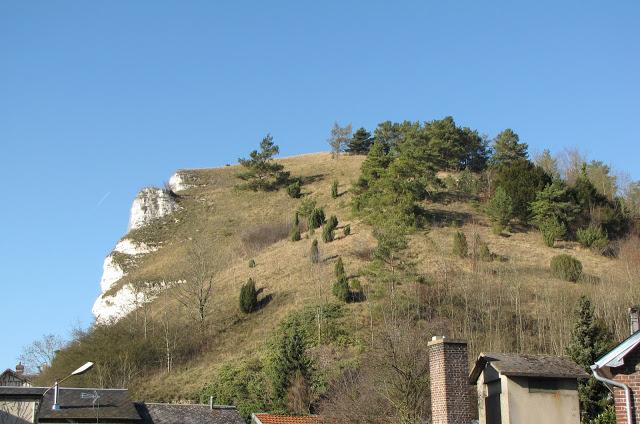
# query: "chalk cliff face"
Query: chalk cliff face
150,204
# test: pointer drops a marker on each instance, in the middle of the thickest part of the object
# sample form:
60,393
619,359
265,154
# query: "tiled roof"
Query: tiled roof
164,413
78,404
519,365
286,419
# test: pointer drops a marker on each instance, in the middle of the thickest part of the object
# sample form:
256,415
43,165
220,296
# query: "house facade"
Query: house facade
510,388
526,389
619,370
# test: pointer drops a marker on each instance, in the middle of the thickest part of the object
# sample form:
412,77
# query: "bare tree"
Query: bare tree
339,138
195,292
39,354
16,412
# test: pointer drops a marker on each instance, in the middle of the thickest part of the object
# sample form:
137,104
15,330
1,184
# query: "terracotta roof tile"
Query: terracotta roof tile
287,419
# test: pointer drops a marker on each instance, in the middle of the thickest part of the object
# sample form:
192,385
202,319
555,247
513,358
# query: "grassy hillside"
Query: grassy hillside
512,303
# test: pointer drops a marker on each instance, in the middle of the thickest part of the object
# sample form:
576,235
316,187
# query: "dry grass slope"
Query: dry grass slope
232,223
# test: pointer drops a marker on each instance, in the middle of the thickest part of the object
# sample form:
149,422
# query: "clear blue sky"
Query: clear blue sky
98,99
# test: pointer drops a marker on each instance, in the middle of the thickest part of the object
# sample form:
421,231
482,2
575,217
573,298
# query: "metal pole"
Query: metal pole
627,391
55,406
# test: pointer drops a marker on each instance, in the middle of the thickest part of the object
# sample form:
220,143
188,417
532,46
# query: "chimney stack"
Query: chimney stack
19,368
450,390
634,319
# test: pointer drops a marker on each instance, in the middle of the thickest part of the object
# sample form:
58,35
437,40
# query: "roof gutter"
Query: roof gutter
627,390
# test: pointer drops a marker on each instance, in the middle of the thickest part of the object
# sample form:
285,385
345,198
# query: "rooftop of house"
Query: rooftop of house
115,405
21,391
615,357
285,419
163,413
86,403
16,374
521,365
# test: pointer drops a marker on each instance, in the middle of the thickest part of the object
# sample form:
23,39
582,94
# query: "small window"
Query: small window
542,385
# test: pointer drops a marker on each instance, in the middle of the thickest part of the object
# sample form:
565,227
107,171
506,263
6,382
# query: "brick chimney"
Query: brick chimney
450,391
634,319
19,368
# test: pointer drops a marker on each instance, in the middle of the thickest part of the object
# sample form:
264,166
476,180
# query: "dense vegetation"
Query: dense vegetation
443,231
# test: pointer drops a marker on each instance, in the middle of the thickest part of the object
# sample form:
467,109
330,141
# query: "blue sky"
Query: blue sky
99,99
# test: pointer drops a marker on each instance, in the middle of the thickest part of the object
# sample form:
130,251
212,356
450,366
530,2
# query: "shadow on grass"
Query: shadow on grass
311,178
447,197
445,218
264,301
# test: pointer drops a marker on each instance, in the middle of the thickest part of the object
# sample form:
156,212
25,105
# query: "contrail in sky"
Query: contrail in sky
103,198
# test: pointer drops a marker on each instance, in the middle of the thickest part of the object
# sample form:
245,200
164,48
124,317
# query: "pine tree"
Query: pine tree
460,246
552,211
262,172
314,254
248,297
339,269
360,143
334,189
294,234
341,289
376,163
328,233
500,208
288,357
316,218
507,148
590,339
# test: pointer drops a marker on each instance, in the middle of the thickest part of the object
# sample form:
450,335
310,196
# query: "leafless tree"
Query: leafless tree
195,292
40,353
339,138
16,412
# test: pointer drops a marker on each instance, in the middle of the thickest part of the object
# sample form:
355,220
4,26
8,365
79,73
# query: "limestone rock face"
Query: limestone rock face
151,204
178,182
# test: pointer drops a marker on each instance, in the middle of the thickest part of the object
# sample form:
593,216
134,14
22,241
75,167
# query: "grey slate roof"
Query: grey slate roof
21,391
113,405
163,413
519,365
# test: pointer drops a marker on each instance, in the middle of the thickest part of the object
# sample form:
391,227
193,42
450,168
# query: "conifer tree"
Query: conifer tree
248,297
262,172
590,339
339,269
316,218
288,357
552,211
360,143
500,209
334,189
314,254
341,289
507,148
376,163
460,246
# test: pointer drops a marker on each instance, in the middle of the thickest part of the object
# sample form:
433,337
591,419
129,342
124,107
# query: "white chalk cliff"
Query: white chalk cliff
150,204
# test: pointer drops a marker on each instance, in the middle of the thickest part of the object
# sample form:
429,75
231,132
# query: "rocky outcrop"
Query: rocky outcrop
151,204
108,307
178,182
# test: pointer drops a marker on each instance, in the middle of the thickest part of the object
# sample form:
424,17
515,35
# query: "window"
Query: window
543,385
